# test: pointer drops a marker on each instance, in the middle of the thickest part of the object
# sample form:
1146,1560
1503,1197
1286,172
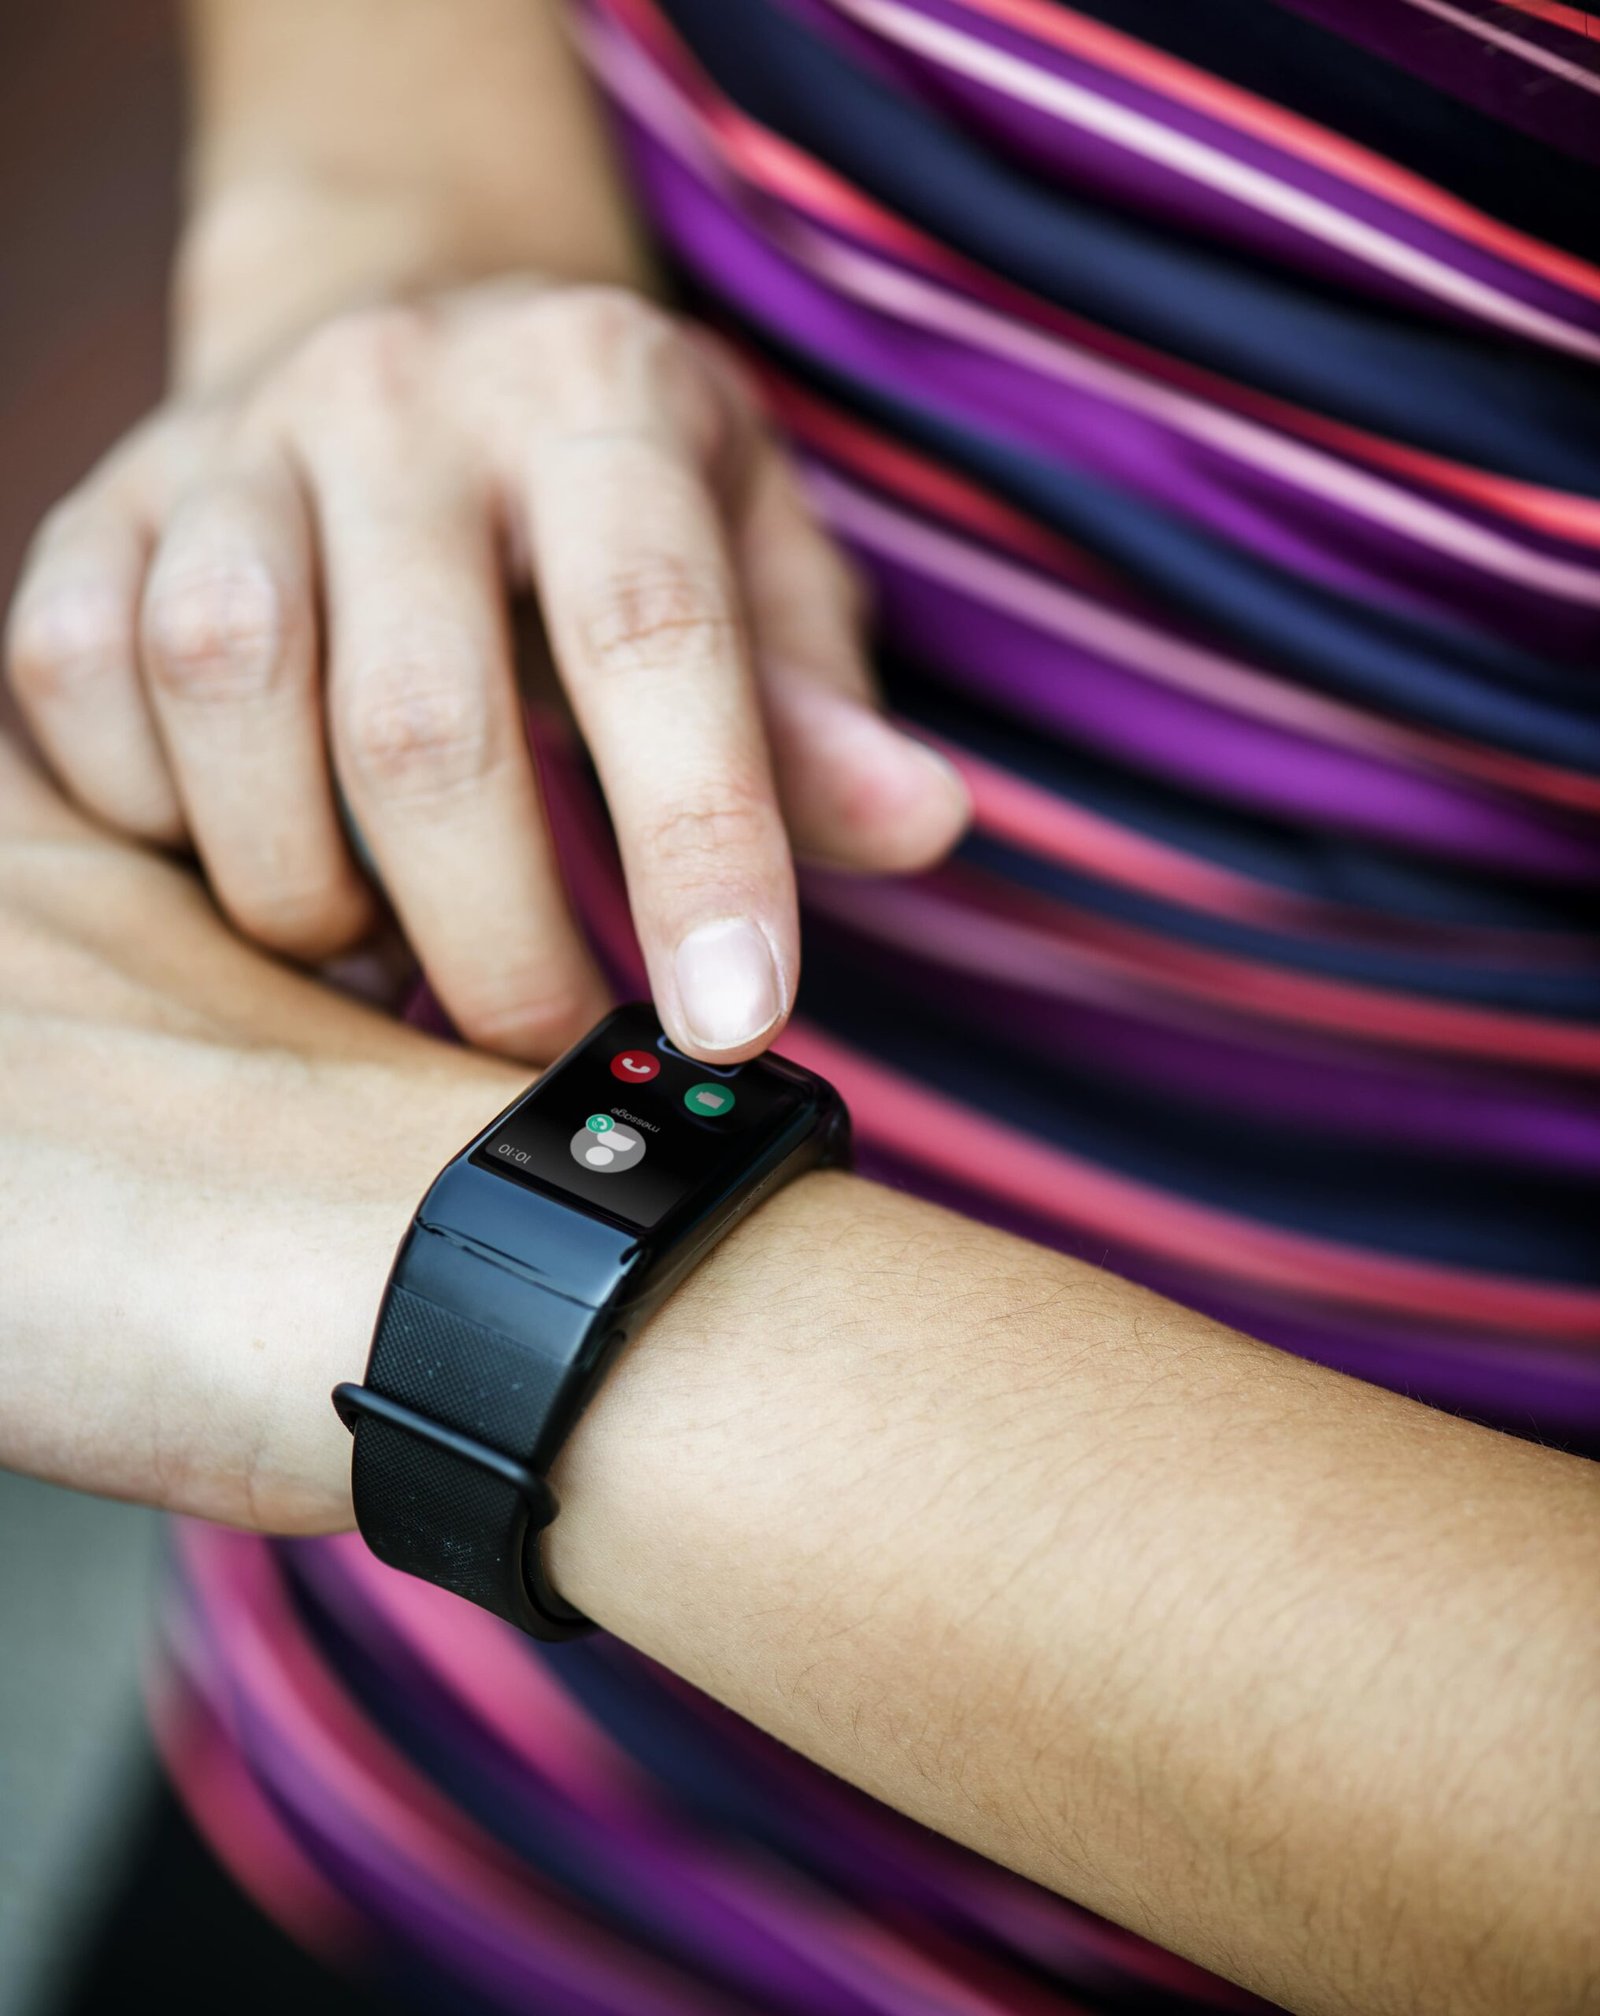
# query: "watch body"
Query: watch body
535,1255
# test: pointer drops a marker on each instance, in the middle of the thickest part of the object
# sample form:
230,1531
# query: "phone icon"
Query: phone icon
635,1067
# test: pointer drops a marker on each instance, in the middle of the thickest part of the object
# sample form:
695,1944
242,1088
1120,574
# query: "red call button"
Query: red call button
635,1067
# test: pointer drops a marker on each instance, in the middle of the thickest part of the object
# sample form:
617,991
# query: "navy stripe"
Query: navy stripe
1454,391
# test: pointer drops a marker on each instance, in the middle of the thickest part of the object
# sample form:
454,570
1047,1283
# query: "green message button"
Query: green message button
711,1101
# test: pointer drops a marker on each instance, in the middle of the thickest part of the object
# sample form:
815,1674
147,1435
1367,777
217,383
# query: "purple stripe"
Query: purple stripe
1578,47
1287,1080
1480,72
1073,154
469,1945
996,659
505,1958
1252,507
650,1854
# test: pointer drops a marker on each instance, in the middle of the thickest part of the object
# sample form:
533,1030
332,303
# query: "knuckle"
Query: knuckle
61,644
658,617
413,732
720,823
217,634
378,353
611,325
590,342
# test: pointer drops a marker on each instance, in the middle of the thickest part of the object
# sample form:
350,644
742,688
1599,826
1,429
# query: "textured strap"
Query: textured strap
446,1429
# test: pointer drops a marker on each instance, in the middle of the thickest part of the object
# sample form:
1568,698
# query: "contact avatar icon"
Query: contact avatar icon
604,1146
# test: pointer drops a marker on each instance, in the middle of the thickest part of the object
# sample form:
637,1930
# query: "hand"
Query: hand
1009,1495
206,1162
300,586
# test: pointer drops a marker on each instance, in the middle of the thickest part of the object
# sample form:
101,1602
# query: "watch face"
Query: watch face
630,1126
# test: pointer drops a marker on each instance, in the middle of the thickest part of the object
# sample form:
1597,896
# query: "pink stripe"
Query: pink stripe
396,1805
923,1129
1040,823
1052,22
1050,944
365,1790
1038,820
1576,20
1058,611
892,291
716,141
487,1667
1073,105
513,1696
892,466
1503,38
244,1833
717,135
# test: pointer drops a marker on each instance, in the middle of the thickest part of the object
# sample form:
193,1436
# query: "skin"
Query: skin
1295,1676
294,580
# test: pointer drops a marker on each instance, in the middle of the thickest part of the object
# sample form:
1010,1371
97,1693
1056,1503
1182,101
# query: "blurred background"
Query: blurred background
89,117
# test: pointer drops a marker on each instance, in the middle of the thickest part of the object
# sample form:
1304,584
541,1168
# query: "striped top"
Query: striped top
1208,390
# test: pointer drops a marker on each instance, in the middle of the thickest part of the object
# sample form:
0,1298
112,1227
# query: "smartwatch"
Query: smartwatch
534,1257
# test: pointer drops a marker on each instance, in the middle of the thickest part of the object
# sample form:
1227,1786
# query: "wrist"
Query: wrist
385,1136
288,1266
341,154
265,257
693,1431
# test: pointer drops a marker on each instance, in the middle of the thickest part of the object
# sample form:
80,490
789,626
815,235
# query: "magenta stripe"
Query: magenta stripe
1293,1080
925,583
1295,505
1109,135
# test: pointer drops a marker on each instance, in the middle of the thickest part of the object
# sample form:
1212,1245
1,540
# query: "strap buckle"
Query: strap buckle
352,1401
545,1615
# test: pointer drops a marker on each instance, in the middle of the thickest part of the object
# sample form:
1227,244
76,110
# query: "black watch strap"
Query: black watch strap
449,1428
530,1262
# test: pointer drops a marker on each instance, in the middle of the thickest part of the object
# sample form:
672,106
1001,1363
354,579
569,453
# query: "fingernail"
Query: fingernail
728,986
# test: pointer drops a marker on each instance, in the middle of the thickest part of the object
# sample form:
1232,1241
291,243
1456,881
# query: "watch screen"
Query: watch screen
632,1126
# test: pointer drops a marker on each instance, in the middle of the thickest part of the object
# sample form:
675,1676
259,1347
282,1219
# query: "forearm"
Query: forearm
1293,1675
348,149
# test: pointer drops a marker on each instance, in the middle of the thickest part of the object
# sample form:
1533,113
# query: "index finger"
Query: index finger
641,600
